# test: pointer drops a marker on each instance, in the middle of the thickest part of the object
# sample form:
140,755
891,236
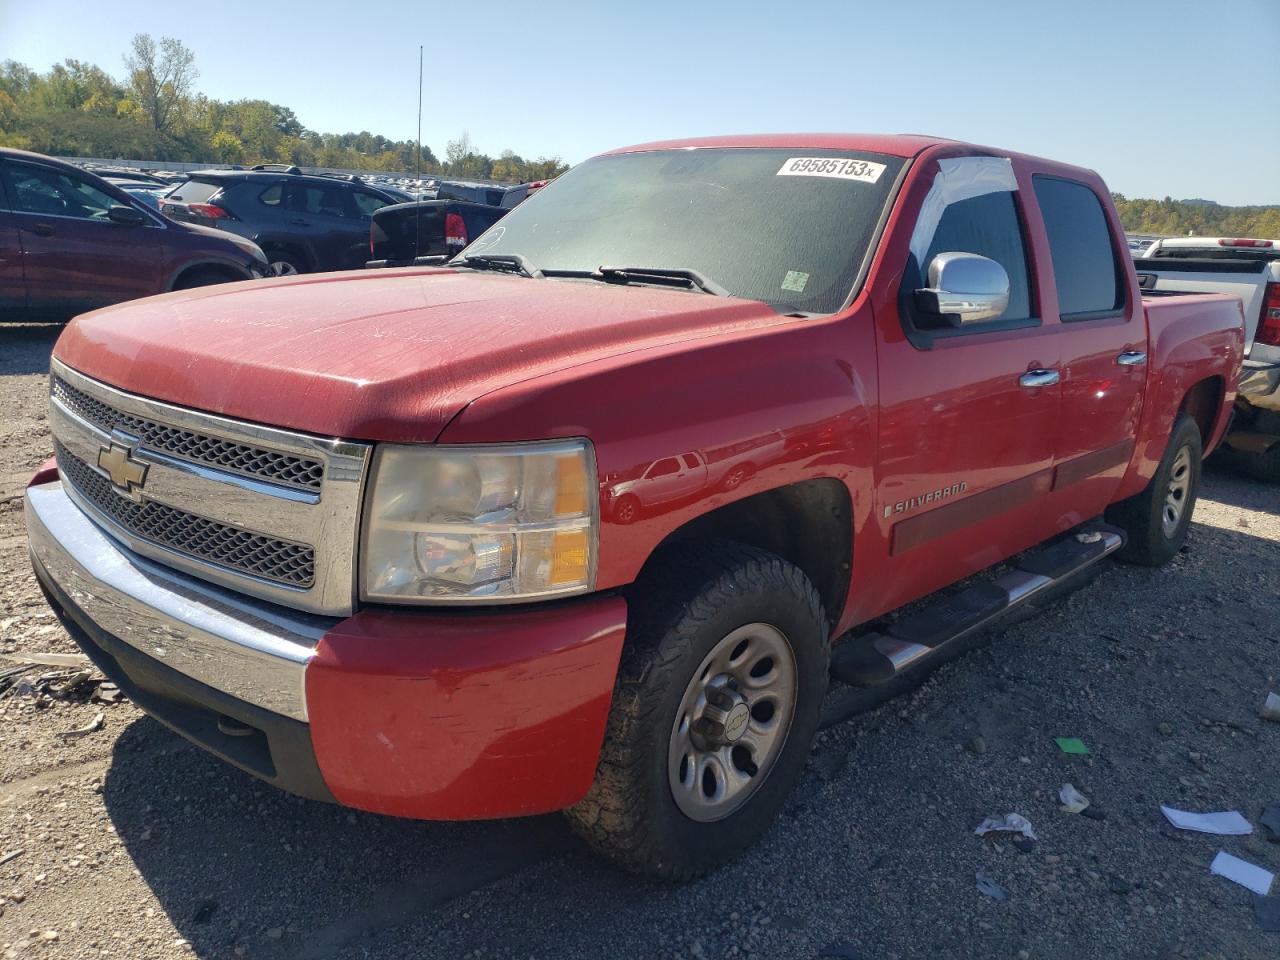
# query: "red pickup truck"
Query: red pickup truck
359,534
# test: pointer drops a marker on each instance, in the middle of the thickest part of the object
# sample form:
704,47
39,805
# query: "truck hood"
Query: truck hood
380,355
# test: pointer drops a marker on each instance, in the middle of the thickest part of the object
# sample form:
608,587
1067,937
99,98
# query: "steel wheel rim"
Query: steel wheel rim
282,268
1175,497
709,763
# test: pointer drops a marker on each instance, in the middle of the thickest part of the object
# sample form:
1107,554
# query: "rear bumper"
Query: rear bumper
423,715
1260,384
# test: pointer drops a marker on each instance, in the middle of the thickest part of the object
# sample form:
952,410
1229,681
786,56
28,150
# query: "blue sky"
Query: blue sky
1162,97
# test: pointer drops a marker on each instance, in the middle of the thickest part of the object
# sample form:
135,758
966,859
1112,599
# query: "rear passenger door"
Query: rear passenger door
327,217
968,415
13,288
1103,343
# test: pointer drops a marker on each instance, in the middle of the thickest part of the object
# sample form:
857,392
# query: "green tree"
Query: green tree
161,78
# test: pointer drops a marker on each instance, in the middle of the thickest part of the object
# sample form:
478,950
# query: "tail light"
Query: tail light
455,231
1269,322
209,211
1241,242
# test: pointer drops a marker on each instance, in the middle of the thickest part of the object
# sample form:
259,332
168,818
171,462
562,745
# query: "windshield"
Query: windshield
790,227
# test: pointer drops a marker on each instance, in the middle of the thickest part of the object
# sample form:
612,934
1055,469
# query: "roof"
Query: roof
896,145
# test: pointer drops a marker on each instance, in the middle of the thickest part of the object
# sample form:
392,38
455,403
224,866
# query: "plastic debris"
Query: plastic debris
11,855
1267,910
1073,801
48,659
1271,707
94,724
1072,745
1271,820
990,888
1009,823
1228,823
1242,872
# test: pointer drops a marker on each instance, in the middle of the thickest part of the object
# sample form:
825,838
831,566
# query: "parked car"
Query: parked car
492,194
401,233
148,193
304,223
358,543
1248,268
71,241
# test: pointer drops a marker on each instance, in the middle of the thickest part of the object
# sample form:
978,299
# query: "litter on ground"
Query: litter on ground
1228,823
1009,823
1073,801
1242,872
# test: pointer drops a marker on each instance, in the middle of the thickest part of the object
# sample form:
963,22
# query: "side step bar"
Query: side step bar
877,658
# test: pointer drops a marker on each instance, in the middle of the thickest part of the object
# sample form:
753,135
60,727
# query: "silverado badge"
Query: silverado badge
127,474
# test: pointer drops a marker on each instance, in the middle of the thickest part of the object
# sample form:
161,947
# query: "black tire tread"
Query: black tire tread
1139,515
681,594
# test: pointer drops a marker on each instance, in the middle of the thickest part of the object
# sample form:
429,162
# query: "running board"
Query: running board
877,658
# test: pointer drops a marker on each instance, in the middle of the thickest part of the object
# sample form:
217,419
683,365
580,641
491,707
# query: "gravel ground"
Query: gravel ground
136,845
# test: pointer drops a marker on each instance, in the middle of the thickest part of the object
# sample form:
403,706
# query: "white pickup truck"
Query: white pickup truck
1250,270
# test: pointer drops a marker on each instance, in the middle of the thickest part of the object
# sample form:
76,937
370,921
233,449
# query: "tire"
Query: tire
733,479
283,263
627,509
1156,520
693,615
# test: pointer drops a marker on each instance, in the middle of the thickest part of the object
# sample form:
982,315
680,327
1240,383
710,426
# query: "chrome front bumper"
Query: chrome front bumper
250,649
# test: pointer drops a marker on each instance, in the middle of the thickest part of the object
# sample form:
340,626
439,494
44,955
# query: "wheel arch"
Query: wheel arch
231,271
808,524
1202,403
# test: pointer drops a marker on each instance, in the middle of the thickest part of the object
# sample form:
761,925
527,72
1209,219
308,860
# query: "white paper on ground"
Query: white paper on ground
1242,872
1228,823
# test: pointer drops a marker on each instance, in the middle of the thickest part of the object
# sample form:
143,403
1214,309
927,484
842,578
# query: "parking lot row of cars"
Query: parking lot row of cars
73,239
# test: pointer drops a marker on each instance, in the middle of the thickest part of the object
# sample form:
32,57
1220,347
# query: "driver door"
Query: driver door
76,259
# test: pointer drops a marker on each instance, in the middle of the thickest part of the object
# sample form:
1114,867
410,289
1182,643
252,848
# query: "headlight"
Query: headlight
480,523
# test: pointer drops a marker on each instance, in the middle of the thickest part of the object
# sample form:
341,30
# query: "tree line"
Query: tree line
78,109
1201,218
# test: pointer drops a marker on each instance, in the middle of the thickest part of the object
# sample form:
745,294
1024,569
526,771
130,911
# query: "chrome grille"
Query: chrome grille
292,471
267,558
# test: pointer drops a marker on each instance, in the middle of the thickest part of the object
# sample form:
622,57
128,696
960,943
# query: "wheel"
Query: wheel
283,264
717,701
1156,520
627,509
733,479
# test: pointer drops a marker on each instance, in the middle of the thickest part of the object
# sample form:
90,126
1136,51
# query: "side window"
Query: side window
366,203
987,225
273,196
664,468
1085,267
691,461
44,190
318,200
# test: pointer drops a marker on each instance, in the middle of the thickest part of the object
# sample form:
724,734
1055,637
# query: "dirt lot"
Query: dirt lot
135,845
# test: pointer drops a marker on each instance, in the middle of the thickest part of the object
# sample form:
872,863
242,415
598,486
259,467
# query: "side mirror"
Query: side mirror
126,216
964,288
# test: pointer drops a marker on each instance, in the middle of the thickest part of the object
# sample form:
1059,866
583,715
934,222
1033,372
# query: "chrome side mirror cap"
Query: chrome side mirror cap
964,288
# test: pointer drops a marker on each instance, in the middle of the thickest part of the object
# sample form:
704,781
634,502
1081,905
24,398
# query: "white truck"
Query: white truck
1249,269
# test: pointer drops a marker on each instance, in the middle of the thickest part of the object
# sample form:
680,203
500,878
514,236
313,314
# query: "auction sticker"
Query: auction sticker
838,168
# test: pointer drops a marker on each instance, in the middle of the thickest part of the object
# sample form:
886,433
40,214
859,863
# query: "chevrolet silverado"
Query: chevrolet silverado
360,534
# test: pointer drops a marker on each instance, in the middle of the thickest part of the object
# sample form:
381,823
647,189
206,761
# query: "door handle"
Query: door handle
1039,378
1131,358
41,229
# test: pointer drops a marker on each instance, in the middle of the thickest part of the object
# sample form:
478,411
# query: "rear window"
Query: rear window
1085,267
193,191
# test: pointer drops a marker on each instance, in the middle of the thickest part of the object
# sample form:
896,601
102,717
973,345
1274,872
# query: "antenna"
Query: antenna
417,165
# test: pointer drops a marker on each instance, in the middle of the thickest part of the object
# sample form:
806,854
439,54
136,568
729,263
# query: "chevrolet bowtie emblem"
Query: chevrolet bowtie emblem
127,474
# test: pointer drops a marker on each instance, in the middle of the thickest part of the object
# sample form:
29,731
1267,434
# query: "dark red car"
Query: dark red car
70,241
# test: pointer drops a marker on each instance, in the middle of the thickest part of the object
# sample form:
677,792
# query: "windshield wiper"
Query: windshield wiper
510,262
669,276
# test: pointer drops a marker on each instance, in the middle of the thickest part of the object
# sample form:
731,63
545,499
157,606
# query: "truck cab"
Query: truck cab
360,534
